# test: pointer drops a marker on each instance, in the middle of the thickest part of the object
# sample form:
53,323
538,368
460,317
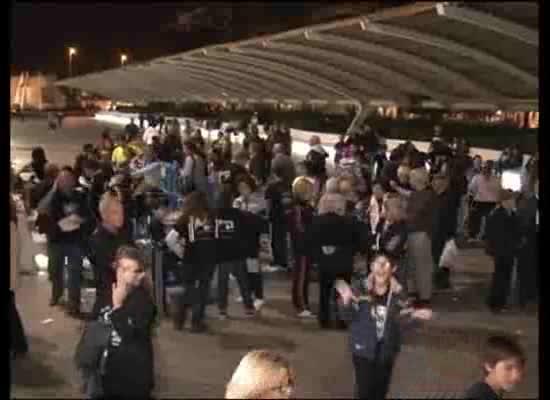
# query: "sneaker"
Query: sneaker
306,314
258,304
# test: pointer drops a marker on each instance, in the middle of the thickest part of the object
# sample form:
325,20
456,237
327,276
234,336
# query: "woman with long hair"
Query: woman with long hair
197,234
129,357
262,374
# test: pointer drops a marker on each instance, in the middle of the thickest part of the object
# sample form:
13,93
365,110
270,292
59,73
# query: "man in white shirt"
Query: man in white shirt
149,134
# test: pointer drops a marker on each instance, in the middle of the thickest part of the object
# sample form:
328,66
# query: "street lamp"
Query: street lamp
123,59
72,52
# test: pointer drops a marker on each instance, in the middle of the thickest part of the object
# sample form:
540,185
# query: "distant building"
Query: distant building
36,92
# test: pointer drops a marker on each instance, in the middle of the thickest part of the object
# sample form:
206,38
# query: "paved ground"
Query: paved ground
438,360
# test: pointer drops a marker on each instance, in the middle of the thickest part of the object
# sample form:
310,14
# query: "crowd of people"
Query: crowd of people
242,211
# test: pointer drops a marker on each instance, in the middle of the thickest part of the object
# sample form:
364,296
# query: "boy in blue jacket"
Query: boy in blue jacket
374,305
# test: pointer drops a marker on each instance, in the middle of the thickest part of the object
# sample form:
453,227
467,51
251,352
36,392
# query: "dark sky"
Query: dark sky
42,32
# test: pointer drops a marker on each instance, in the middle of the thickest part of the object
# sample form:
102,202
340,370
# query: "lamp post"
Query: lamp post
72,52
123,59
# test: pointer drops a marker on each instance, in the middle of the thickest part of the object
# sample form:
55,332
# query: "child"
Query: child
503,241
299,217
503,365
373,307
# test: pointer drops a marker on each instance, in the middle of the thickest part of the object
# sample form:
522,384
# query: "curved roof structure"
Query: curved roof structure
448,55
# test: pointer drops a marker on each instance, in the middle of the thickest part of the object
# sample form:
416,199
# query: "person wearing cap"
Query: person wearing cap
503,240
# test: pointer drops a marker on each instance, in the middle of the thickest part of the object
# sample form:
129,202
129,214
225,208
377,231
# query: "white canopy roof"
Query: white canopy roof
457,55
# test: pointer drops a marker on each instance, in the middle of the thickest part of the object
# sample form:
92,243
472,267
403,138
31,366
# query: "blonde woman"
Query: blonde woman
261,374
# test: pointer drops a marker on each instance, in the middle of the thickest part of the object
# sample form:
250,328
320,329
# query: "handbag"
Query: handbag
92,345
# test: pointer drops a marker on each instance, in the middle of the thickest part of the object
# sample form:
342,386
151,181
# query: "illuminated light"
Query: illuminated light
204,52
72,51
363,25
306,35
499,112
41,261
511,180
123,59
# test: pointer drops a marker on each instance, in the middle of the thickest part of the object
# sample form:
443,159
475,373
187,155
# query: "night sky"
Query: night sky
42,32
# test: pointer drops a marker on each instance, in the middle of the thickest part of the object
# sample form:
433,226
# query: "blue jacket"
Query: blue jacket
363,339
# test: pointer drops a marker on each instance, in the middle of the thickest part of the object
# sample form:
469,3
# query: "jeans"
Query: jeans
56,261
238,269
196,289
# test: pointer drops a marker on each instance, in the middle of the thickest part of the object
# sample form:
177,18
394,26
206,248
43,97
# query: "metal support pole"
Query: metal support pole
158,279
360,116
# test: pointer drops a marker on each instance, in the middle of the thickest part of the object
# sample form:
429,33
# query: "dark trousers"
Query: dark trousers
479,211
327,277
196,288
18,343
300,283
256,282
528,268
372,378
500,286
279,244
238,269
103,295
56,261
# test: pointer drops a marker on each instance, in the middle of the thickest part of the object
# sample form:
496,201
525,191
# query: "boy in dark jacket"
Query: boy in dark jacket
503,239
503,364
373,305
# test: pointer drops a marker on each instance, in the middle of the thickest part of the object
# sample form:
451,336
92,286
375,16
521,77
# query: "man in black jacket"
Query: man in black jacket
67,229
231,228
503,239
104,244
333,240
